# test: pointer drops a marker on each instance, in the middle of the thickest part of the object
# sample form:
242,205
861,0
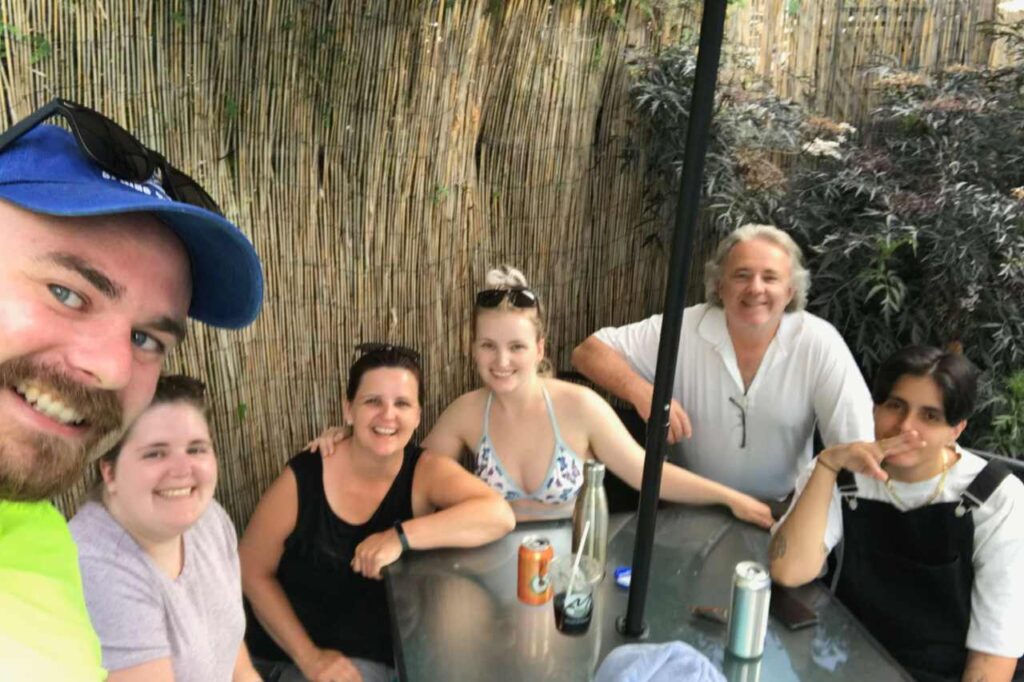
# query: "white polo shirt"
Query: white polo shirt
807,376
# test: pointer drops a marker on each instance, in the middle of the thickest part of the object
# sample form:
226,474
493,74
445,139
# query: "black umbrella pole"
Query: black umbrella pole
687,212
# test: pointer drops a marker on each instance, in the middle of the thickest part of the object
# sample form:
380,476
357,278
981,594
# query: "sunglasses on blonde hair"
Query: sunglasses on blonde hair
519,297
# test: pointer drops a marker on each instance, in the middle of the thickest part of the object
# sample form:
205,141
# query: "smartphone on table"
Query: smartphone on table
789,610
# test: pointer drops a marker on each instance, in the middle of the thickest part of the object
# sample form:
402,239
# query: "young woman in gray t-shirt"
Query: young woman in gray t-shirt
159,556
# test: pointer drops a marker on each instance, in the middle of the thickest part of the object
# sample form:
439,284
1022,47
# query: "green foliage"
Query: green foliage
749,133
231,108
40,46
917,235
1008,421
440,193
913,231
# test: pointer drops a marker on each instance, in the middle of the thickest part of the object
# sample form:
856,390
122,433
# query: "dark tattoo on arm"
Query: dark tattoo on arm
777,547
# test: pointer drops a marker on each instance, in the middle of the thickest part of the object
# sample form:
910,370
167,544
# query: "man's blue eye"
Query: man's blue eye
146,342
66,296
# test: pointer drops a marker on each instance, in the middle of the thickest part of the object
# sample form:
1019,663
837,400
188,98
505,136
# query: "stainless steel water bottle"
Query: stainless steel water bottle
592,506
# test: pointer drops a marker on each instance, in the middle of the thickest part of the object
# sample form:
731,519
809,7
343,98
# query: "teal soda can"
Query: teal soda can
748,610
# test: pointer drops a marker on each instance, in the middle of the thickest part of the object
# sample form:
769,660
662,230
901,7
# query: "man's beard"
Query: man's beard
36,465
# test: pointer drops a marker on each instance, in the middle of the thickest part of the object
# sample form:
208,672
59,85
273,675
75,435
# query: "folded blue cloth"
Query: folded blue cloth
669,662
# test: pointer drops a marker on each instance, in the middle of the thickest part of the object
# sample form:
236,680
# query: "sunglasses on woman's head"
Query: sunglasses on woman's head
115,150
376,347
518,298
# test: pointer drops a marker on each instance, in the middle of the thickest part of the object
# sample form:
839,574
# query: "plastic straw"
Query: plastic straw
576,562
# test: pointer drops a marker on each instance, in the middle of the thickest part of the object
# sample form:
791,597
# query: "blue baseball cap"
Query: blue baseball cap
44,171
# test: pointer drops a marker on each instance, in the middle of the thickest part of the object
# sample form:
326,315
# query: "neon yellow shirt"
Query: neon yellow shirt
45,633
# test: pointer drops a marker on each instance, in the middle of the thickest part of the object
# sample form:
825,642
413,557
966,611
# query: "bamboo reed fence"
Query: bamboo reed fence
383,155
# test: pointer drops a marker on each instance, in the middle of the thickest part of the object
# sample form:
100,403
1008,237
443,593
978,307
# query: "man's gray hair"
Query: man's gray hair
800,277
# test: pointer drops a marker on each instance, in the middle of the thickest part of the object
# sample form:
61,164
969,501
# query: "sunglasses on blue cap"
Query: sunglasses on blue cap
115,150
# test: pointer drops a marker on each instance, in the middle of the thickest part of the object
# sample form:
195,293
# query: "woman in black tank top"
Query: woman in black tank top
314,549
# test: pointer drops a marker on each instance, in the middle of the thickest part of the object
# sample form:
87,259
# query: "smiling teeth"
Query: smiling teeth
381,431
503,374
175,492
47,404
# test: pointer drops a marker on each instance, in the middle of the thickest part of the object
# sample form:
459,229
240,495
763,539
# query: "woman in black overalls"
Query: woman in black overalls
906,570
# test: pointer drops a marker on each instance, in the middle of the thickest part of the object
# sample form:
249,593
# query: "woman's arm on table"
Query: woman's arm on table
260,550
468,514
613,445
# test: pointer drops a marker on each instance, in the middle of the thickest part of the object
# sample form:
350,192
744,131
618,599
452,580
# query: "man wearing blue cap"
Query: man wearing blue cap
107,248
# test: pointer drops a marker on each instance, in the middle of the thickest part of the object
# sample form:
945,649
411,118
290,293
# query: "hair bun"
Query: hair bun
505,277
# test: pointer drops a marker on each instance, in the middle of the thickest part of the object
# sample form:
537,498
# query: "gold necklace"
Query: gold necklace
935,493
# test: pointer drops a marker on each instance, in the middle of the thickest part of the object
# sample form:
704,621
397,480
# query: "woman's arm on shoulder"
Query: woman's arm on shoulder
469,512
260,551
448,438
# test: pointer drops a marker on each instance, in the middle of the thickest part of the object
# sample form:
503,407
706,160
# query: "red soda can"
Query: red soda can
535,553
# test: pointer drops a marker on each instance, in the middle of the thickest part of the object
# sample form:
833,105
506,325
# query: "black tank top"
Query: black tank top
338,608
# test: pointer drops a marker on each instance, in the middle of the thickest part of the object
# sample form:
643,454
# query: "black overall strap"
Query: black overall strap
847,485
982,487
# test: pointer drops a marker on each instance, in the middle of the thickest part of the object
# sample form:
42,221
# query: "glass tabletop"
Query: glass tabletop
455,614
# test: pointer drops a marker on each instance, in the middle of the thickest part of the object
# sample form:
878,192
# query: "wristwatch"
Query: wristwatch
402,537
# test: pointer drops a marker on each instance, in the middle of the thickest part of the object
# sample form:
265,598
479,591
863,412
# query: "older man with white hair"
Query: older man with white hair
755,372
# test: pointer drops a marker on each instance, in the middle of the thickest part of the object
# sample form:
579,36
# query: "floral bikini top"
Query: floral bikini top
564,477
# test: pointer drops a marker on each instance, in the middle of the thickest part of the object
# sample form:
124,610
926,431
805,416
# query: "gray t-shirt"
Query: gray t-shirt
141,615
